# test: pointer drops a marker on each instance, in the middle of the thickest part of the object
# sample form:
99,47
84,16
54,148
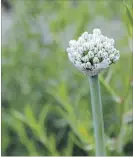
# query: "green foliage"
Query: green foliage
46,106
129,16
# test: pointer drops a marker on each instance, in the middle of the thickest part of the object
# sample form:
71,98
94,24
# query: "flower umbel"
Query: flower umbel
92,53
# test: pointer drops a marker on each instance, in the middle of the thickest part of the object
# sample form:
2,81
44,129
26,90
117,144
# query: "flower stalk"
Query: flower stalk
97,115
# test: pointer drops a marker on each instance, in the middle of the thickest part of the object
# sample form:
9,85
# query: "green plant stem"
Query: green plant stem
97,115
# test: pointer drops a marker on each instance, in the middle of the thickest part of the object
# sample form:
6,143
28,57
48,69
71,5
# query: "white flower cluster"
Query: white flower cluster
91,53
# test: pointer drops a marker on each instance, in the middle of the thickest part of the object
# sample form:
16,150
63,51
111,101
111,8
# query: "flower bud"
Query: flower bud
68,50
88,65
90,54
90,36
100,54
111,57
85,35
98,42
91,46
116,58
112,41
94,37
95,50
104,44
95,60
81,40
100,46
72,42
102,38
78,63
108,47
85,46
84,65
88,46
85,58
72,50
97,31
116,53
71,57
80,50
109,61
105,55
78,59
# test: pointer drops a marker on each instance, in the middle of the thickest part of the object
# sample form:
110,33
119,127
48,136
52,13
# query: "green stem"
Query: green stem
97,115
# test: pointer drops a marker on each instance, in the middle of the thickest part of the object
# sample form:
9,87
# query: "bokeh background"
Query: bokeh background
46,106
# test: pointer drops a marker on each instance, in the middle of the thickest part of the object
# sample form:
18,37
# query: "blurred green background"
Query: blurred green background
46,106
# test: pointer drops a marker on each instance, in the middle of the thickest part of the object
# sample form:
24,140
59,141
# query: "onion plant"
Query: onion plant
92,53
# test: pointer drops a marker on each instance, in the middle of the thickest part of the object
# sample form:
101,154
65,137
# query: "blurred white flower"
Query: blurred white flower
92,53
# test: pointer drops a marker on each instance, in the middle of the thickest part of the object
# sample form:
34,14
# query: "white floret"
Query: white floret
68,50
72,42
95,60
100,54
88,65
95,50
85,46
112,41
90,54
112,56
85,58
85,35
105,55
80,50
81,40
97,31
91,45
